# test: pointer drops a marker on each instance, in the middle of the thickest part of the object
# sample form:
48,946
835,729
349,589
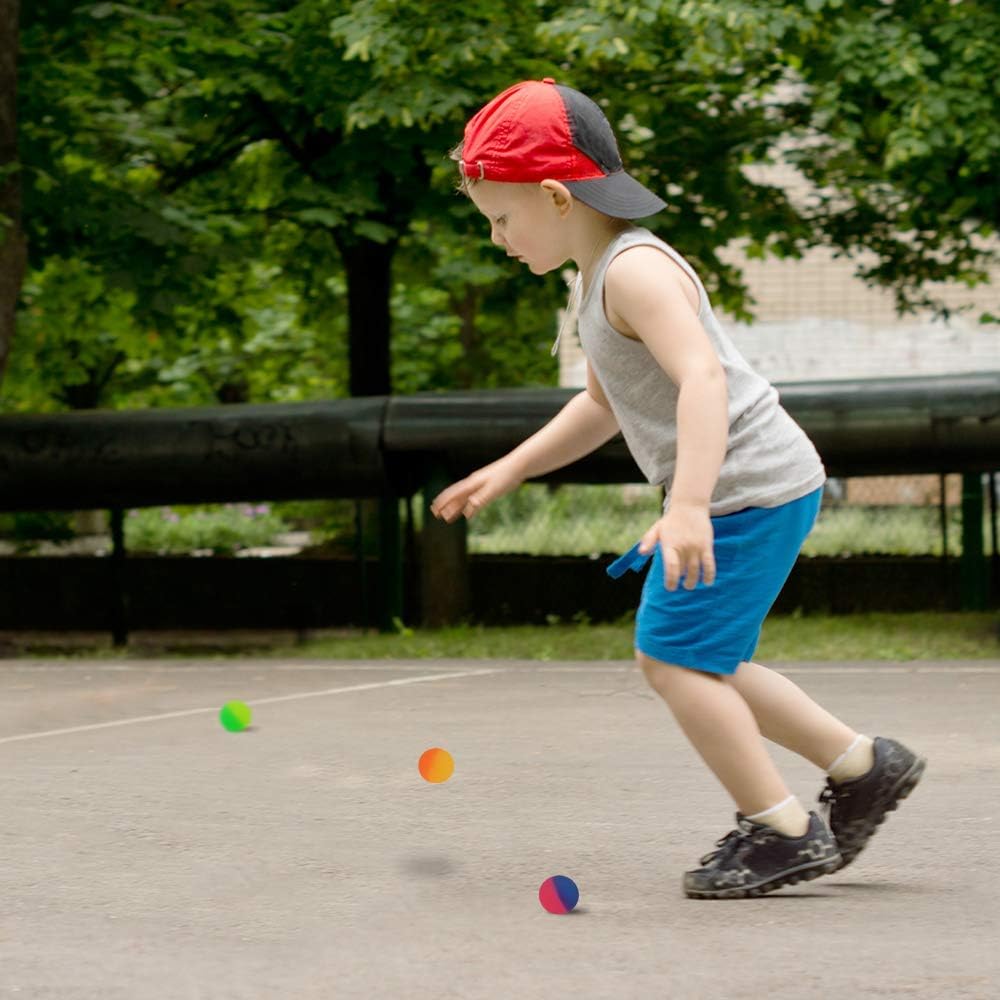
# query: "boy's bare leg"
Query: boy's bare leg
786,715
722,728
751,859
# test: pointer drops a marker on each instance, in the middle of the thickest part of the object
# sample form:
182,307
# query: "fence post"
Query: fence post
972,568
444,568
119,597
361,555
390,563
991,485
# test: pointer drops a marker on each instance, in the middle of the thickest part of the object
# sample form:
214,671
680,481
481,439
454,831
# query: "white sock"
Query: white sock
787,817
855,761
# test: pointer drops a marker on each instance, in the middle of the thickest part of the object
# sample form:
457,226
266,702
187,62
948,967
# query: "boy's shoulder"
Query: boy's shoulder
642,271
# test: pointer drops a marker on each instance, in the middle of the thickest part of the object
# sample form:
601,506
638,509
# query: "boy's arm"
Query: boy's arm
580,427
647,291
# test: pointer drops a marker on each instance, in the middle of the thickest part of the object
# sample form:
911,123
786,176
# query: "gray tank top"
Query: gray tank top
769,460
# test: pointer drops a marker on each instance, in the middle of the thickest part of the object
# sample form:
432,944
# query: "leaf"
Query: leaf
375,231
359,49
323,216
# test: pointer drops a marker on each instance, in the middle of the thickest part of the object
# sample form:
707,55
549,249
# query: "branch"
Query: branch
189,171
317,145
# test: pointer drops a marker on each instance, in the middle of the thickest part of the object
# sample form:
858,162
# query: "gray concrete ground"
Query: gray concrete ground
148,854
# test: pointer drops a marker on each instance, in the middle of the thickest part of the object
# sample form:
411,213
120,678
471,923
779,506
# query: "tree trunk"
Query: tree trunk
369,285
471,363
13,250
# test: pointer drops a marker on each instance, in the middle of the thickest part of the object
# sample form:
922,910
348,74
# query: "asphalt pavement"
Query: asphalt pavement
147,853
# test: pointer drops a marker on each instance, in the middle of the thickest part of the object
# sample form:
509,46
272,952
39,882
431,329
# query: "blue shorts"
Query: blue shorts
715,628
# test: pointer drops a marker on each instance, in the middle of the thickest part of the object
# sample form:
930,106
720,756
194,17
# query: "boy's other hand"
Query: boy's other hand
470,495
686,538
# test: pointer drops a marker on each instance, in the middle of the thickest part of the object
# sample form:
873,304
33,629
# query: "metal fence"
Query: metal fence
380,457
883,515
874,515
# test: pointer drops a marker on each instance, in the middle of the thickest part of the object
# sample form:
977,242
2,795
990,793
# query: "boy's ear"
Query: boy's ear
560,195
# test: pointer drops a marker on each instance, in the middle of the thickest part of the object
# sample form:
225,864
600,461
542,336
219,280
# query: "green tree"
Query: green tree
892,111
173,142
904,101
234,164
12,244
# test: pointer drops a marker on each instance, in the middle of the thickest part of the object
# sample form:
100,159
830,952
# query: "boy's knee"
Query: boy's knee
663,676
658,674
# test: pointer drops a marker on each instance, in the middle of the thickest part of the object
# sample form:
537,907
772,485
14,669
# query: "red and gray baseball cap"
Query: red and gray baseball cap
540,129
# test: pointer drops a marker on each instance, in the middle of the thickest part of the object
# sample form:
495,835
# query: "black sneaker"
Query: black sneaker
856,807
754,859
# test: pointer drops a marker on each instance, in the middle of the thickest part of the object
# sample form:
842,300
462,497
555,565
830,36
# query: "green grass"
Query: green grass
901,530
921,636
882,636
535,519
877,636
584,520
219,529
569,520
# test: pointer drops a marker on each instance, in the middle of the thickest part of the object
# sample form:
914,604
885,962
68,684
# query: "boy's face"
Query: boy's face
522,220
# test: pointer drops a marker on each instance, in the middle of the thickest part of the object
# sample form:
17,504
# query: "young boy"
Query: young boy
743,483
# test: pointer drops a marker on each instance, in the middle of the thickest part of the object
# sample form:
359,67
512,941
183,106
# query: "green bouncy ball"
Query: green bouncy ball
235,716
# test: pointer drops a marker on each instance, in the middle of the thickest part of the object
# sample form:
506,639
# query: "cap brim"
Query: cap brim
619,195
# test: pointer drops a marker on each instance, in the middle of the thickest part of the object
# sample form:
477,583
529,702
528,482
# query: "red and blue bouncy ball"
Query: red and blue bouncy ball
558,894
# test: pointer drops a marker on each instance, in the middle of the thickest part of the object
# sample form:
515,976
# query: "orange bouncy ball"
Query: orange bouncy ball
436,765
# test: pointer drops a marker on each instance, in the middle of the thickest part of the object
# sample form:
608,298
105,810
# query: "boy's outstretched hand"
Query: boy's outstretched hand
685,535
470,495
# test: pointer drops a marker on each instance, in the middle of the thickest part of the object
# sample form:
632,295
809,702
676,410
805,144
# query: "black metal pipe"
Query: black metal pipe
378,446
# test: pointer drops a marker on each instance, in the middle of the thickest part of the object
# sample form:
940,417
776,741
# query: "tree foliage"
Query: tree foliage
891,109
905,104
184,142
238,199
12,243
